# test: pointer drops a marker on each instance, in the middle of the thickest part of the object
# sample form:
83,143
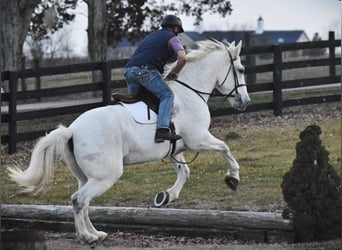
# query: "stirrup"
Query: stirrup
164,134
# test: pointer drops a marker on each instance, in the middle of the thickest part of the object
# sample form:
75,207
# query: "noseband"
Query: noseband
232,93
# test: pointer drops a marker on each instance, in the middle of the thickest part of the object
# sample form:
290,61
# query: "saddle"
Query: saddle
143,95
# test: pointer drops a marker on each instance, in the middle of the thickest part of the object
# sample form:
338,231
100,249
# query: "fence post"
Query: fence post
277,80
106,83
23,80
250,59
332,69
38,81
12,112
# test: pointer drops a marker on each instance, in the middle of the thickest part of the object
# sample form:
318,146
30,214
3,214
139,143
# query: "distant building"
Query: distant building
259,36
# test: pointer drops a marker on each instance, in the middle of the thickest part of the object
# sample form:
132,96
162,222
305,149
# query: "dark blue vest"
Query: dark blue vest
154,51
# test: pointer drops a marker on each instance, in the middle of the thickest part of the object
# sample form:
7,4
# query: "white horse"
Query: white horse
101,141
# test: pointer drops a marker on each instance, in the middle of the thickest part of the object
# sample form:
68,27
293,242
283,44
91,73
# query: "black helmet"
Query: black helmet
172,20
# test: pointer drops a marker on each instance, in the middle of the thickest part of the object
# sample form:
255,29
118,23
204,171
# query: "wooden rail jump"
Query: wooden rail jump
235,225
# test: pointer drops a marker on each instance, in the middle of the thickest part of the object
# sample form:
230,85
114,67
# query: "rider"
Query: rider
146,66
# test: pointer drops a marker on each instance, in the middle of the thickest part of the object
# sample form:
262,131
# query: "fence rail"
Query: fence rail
276,86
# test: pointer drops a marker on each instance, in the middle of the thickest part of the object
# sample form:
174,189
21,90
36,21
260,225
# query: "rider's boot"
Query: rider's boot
163,134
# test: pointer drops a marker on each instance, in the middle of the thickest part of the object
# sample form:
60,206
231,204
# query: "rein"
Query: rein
182,162
195,90
231,93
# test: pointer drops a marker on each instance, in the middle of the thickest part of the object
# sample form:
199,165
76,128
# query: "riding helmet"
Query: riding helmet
172,20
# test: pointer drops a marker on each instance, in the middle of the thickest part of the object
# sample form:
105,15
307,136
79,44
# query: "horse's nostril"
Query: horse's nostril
247,101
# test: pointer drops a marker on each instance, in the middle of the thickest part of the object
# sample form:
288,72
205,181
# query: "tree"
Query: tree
15,16
50,16
20,18
312,190
97,30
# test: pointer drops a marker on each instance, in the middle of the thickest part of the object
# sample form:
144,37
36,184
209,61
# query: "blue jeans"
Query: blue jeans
153,81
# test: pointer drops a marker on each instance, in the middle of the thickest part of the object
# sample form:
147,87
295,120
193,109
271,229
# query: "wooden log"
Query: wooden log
213,219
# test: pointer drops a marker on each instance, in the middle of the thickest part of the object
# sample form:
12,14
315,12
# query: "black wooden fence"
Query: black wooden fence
276,66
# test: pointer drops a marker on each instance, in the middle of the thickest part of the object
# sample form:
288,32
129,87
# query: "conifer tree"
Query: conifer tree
312,190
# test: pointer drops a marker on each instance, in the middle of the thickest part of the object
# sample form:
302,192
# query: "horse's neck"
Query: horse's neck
201,74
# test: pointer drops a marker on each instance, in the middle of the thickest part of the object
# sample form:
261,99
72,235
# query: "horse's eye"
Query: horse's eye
241,71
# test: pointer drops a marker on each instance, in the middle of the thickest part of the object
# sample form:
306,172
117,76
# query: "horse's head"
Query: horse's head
231,81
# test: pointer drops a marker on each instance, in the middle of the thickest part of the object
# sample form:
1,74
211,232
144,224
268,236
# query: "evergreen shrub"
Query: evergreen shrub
312,190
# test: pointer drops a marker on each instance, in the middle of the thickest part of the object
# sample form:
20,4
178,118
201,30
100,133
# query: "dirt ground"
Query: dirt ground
131,241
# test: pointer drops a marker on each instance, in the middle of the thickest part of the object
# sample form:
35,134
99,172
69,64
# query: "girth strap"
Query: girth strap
173,142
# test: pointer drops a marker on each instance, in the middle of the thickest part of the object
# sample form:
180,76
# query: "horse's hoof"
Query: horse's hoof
101,235
231,182
88,238
161,199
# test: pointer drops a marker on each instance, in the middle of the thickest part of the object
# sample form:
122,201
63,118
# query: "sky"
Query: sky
308,15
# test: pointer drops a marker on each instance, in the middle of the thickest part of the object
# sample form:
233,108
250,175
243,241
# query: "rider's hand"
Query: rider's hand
172,76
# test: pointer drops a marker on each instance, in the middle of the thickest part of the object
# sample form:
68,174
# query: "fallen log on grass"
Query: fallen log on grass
262,223
154,216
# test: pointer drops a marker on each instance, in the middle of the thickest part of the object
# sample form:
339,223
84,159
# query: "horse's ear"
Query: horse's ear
232,44
238,48
239,44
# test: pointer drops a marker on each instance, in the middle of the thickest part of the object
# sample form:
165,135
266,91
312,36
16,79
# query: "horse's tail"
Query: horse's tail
40,172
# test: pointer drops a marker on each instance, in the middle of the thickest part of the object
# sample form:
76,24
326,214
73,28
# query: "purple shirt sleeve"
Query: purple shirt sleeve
175,44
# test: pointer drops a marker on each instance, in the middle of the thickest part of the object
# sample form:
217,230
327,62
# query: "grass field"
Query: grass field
264,148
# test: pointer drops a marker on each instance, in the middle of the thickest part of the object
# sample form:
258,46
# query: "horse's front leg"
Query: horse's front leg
211,143
172,193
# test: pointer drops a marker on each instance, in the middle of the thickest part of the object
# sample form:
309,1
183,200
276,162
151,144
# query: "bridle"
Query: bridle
236,80
232,93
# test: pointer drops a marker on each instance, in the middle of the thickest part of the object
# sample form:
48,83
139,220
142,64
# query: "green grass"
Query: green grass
263,154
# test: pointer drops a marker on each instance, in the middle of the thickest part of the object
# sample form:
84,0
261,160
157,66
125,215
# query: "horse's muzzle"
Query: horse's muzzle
241,102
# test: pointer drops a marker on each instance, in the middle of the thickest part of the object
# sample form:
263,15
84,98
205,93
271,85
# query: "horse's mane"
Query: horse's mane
205,47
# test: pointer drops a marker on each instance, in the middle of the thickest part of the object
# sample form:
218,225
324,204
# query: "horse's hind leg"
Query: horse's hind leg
82,180
80,200
100,181
183,174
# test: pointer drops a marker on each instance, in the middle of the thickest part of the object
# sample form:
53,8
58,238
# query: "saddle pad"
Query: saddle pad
141,112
